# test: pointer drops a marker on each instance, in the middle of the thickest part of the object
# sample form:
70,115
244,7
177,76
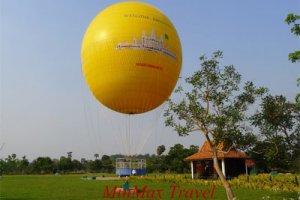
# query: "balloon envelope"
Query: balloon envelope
131,57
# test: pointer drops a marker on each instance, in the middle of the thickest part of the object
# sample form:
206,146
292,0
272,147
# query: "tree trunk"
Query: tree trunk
226,185
229,192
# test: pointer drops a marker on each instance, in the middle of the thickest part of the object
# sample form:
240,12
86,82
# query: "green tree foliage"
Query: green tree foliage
23,165
174,160
107,164
65,164
2,166
156,164
298,95
279,123
293,20
42,165
96,166
216,106
160,149
11,164
77,166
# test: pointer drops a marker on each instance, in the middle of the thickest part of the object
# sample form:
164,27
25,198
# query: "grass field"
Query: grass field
72,187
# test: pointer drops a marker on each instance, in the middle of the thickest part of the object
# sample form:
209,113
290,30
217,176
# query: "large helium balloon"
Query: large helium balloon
131,57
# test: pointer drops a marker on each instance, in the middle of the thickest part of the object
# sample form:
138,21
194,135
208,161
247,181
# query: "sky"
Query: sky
46,108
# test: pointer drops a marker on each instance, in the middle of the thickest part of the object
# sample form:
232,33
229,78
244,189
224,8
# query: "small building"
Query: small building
232,162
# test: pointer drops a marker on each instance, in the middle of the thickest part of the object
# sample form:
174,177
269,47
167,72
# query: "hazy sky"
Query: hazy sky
46,108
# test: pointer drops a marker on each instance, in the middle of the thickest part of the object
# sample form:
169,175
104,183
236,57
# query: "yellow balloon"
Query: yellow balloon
131,57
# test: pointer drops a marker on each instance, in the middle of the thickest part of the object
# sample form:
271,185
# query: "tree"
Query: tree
174,160
107,163
41,165
11,164
160,149
96,165
279,125
297,99
295,56
65,164
77,166
215,106
2,166
69,155
156,163
96,155
293,19
23,165
14,156
83,160
193,149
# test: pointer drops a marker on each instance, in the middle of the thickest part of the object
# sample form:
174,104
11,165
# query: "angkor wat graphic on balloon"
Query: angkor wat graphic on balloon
149,43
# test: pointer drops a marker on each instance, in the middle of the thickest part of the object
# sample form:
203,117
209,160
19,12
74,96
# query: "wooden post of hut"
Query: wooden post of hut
192,169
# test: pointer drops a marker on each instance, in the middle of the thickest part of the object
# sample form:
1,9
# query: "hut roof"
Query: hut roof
206,153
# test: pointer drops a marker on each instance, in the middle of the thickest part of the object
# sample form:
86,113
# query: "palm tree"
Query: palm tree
96,155
69,155
14,156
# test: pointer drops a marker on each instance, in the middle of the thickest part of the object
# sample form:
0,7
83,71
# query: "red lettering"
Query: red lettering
107,193
180,193
126,192
189,194
159,194
213,191
143,192
135,193
198,193
119,192
204,193
173,187
152,194
149,65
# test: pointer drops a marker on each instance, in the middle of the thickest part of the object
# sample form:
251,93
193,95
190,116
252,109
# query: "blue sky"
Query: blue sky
46,108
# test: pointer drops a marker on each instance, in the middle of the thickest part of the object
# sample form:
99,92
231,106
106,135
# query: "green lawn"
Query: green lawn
71,187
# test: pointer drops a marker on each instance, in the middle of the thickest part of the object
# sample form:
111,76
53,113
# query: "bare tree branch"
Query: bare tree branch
2,146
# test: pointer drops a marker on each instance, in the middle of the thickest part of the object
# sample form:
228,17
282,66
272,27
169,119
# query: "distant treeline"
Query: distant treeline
173,161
